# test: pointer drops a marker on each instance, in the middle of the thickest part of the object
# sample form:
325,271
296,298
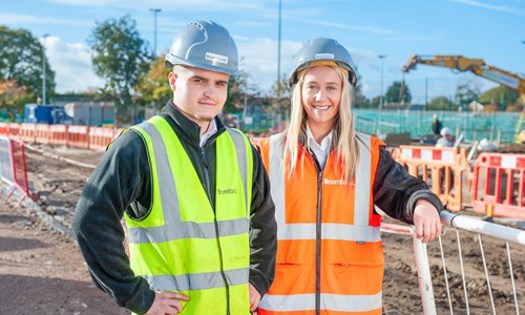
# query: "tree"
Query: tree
360,100
21,62
281,103
119,56
501,95
154,87
12,97
441,103
398,93
238,92
466,93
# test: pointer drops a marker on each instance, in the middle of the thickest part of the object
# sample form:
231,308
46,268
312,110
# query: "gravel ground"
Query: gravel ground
43,272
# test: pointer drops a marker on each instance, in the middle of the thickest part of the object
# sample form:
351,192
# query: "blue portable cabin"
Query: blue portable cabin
44,114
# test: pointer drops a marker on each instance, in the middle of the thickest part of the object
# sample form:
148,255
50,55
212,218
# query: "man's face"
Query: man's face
199,94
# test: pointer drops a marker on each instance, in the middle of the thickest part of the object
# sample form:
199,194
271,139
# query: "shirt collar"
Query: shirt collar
212,129
325,144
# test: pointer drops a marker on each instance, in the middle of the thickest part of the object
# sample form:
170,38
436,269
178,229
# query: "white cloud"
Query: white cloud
369,29
260,60
490,7
72,65
21,19
165,4
411,38
84,2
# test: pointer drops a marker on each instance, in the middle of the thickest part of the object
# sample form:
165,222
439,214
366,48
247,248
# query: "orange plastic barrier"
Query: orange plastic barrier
58,134
42,133
4,129
498,185
28,132
78,137
99,138
14,130
446,166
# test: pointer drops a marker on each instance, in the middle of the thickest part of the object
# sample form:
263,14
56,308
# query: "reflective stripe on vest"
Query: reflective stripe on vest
350,249
334,302
184,244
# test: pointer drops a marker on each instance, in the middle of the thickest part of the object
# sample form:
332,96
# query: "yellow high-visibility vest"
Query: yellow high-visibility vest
185,245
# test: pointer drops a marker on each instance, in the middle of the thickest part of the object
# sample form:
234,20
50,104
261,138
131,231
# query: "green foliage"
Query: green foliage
501,95
21,61
120,56
360,100
154,87
281,102
237,92
441,103
398,93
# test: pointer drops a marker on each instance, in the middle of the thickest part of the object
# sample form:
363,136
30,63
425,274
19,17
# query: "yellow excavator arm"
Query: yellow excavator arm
476,66
479,68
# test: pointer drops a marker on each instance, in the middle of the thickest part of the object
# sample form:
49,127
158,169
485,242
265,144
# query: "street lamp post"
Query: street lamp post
44,69
155,12
381,99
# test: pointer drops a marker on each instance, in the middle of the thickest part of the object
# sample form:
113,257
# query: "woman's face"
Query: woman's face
321,94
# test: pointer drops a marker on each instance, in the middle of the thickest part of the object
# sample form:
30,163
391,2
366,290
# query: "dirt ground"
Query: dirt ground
42,271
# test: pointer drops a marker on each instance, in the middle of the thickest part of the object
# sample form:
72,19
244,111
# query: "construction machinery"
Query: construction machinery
479,68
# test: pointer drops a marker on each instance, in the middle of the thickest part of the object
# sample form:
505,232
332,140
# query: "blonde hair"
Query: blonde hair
344,141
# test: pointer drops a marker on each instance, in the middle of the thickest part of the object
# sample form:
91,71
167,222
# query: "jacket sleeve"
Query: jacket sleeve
263,229
120,178
396,192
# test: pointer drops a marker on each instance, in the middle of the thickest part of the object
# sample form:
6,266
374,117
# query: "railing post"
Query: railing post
424,277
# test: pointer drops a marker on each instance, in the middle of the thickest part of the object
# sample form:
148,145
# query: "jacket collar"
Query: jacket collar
188,129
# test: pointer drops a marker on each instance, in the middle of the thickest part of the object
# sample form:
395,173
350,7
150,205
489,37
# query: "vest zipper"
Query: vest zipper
318,226
217,237
318,246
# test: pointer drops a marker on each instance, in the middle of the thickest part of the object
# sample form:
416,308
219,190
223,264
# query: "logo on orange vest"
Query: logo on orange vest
339,181
228,191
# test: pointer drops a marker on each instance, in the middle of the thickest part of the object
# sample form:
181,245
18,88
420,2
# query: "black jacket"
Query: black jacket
122,182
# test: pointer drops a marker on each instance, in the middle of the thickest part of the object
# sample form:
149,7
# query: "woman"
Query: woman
326,179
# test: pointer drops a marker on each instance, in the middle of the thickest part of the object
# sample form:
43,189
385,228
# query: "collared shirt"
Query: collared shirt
212,129
320,151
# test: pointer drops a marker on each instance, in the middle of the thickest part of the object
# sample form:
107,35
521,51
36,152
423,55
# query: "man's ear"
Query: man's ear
172,78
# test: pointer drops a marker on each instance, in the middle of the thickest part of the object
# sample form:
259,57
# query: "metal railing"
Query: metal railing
459,222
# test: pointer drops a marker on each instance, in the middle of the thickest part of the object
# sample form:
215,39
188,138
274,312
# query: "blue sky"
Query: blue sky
493,30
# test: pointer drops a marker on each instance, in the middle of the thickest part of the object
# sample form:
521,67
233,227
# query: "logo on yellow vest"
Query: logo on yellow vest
338,181
228,191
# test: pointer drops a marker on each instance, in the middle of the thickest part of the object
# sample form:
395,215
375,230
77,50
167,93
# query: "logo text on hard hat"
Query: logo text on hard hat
216,58
324,56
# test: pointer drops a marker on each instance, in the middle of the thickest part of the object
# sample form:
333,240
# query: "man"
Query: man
436,125
194,194
446,140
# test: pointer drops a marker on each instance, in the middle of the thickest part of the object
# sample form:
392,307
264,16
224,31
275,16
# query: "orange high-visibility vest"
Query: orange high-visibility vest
329,252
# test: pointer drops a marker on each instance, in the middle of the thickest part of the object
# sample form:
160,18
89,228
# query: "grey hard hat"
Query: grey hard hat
205,45
323,49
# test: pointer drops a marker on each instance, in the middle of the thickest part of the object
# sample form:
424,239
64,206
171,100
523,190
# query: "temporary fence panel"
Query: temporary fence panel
28,132
42,133
78,137
14,130
4,129
446,166
99,138
498,185
58,134
455,284
13,169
